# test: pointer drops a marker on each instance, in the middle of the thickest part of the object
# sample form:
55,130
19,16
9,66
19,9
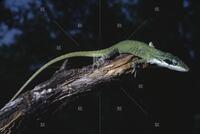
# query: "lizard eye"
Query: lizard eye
168,61
171,62
174,62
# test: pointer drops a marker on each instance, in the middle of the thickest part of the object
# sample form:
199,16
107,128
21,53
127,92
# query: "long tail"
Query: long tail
97,53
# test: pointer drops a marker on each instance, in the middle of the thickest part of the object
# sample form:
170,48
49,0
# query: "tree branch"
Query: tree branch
63,87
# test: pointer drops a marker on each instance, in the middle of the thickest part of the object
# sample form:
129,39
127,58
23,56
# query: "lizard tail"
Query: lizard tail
97,53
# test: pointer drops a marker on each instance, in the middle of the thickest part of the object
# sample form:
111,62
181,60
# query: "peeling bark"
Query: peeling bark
63,87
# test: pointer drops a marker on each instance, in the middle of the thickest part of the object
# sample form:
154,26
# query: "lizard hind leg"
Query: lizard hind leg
98,61
111,54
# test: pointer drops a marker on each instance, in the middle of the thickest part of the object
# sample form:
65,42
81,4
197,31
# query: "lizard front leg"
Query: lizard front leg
136,65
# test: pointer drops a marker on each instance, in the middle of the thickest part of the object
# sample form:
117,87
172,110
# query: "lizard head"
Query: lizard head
170,61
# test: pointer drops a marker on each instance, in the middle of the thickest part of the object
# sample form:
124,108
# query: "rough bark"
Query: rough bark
63,87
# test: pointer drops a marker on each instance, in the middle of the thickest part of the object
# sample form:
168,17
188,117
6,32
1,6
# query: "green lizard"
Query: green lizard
146,53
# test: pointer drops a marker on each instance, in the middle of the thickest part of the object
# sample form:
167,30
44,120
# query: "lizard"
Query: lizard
146,52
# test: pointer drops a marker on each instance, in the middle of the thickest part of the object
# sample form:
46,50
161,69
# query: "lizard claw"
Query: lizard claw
134,69
136,64
135,73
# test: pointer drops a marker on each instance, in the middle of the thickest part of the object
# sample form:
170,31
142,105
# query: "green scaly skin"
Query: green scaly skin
147,54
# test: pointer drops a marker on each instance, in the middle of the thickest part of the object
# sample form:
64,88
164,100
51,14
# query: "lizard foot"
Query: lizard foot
136,65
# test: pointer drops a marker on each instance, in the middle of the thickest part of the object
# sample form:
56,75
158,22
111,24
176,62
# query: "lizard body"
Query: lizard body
147,54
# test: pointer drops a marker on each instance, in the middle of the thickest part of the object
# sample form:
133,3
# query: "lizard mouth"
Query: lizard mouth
178,68
183,68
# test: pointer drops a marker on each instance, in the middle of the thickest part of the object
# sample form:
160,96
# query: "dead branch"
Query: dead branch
61,89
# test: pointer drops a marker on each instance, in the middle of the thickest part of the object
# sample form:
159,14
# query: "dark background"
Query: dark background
34,31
